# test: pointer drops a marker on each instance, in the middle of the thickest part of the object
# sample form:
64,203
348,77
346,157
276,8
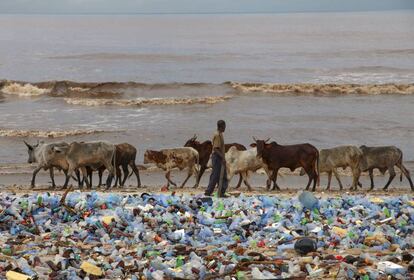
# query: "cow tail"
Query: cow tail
114,162
197,165
318,168
401,162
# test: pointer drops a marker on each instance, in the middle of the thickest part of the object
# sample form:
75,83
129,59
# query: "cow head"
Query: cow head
363,147
192,141
260,146
31,151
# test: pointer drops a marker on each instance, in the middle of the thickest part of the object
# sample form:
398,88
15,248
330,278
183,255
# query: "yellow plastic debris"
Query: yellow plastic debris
339,231
377,200
411,203
91,269
108,219
12,275
376,239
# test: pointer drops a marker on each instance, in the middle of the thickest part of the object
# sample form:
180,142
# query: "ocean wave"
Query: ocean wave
88,89
25,90
111,93
48,133
324,89
141,57
146,101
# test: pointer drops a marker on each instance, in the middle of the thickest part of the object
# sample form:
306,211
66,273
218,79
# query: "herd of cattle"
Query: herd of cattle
83,158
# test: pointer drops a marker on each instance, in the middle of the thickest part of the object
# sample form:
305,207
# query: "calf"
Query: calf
384,158
276,156
42,155
168,159
242,162
204,151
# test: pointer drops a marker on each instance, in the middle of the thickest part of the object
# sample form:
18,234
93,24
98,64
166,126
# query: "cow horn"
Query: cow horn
267,139
254,139
30,147
195,137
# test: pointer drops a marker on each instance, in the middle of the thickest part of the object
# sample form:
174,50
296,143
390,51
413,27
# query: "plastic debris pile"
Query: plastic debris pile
121,236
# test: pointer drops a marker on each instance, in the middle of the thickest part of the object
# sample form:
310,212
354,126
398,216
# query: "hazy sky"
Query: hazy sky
197,6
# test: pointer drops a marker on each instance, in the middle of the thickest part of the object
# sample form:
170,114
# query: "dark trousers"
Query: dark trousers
215,175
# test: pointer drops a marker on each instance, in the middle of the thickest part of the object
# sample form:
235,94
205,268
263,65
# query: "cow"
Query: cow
337,157
242,162
42,154
384,158
276,156
204,151
167,159
83,154
125,154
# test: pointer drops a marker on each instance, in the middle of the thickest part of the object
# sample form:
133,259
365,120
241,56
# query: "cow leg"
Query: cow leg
356,173
190,172
112,173
371,177
274,177
200,174
69,174
315,179
329,180
269,178
125,171
78,178
136,171
34,176
90,174
52,177
167,176
109,181
392,176
406,174
100,174
85,175
240,181
245,175
118,176
338,179
311,176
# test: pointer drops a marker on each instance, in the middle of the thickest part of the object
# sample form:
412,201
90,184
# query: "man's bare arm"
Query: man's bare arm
218,151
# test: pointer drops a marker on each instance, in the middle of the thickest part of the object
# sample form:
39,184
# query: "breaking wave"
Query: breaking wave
48,133
110,93
324,89
25,90
146,101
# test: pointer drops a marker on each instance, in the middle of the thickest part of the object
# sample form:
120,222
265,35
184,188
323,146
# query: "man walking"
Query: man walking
218,160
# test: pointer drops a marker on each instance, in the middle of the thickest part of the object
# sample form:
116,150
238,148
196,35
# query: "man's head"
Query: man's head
221,125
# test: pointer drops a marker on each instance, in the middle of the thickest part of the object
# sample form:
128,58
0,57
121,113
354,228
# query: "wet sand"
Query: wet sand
153,181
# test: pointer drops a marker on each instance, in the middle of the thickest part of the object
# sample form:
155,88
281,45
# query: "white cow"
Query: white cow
43,155
242,162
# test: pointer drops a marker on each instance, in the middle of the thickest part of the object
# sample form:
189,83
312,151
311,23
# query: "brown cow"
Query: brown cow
276,156
167,159
204,151
125,155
